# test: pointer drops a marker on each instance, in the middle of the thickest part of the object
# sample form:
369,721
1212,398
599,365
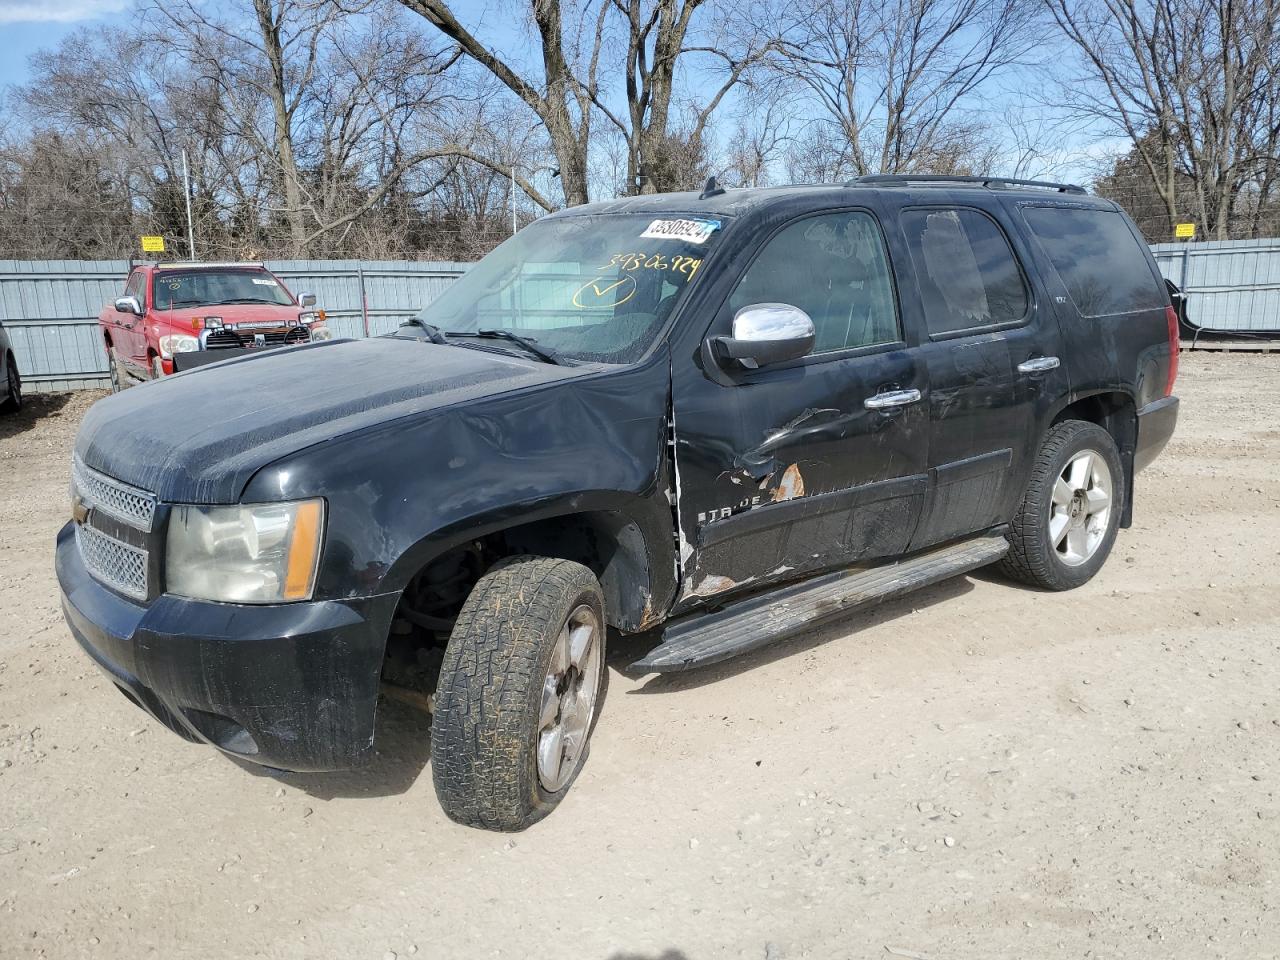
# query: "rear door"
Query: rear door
993,351
786,469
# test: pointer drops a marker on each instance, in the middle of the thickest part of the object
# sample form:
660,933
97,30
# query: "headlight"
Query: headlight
249,553
178,343
321,333
308,316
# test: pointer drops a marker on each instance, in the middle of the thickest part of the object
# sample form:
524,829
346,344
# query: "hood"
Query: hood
230,313
199,436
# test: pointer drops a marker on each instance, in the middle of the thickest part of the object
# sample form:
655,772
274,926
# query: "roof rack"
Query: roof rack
991,183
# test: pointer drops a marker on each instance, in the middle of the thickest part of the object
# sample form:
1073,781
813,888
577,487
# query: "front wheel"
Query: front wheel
13,397
1067,522
520,690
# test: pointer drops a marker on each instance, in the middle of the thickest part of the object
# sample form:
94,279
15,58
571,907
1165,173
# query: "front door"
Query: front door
992,349
813,463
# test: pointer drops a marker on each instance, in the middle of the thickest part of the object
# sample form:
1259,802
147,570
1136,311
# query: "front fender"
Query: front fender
403,492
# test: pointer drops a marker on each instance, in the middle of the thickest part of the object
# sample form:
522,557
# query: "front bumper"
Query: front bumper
200,358
1156,422
292,685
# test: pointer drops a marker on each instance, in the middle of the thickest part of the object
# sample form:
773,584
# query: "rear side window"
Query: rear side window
1099,259
834,268
967,273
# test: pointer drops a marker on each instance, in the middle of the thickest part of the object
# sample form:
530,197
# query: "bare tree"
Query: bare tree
895,76
1194,84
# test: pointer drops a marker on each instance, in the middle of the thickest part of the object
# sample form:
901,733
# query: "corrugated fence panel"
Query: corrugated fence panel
50,307
1230,284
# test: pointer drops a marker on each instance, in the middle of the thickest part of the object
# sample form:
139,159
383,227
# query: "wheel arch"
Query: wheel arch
618,539
1117,413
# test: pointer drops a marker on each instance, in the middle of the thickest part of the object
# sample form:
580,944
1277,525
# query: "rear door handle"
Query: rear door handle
1039,365
894,398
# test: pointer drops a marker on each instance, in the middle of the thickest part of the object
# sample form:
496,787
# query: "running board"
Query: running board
758,621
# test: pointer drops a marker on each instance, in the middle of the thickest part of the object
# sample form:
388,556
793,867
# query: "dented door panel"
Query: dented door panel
788,472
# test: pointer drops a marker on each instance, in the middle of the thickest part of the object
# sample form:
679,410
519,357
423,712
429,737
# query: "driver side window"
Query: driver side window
134,288
834,268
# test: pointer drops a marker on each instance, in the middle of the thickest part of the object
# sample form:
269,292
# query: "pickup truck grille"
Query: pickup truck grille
118,565
127,504
220,339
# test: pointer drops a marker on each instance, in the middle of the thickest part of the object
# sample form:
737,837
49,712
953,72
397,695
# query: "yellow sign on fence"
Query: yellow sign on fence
156,244
1184,231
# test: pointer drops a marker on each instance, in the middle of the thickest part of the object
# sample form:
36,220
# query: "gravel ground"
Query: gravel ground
978,771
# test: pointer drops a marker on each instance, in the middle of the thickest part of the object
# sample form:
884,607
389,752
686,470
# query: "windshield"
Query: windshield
173,289
591,287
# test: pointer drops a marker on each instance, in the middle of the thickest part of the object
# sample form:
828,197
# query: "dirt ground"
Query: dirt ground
978,771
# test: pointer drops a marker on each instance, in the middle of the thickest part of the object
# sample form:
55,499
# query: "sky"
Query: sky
28,25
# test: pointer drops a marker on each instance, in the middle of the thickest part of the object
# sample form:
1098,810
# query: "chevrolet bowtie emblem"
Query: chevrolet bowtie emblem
79,510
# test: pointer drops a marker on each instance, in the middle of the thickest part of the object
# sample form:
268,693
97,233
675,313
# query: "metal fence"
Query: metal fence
50,307
1230,284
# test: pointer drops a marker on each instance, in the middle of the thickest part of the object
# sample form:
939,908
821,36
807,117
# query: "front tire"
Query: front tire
520,690
113,370
1067,522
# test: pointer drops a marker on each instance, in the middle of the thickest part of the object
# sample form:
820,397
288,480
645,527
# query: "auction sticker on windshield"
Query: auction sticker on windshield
692,230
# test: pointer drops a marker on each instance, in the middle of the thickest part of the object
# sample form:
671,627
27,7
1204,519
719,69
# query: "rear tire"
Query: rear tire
1067,522
13,397
521,687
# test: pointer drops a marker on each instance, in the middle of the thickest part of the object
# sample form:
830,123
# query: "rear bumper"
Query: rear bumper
293,686
1156,422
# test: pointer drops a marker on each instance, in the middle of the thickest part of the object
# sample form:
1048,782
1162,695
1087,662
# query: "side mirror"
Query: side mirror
766,333
306,299
129,304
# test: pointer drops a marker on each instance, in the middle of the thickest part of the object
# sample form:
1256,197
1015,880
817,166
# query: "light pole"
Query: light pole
555,172
186,194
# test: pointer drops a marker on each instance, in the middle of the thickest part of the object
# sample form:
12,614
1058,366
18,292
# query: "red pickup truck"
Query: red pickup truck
174,316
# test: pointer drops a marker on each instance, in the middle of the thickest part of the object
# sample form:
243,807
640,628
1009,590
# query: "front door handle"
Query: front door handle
1039,365
894,398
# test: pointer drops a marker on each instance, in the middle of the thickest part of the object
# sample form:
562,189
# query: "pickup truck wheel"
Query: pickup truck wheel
520,689
13,399
113,370
1067,522
157,368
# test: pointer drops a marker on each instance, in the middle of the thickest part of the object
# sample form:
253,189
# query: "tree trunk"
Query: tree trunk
282,124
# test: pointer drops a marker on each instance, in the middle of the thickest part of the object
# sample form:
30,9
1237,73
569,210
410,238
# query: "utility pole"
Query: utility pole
186,193
513,199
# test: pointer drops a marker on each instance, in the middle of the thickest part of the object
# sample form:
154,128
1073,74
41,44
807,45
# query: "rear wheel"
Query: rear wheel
13,396
1067,522
520,689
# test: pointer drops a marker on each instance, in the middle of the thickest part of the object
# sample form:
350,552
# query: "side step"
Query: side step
758,621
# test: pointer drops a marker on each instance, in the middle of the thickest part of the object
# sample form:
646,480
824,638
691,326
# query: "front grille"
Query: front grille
127,504
118,565
221,339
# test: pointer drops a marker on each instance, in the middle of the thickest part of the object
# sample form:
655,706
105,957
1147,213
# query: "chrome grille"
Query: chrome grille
118,565
127,504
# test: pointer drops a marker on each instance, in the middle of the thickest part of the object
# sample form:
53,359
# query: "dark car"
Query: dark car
11,388
728,414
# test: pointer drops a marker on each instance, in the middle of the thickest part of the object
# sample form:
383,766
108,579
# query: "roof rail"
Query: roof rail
991,183
199,264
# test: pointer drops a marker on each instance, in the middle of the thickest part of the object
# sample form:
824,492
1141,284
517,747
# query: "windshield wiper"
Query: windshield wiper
545,354
433,332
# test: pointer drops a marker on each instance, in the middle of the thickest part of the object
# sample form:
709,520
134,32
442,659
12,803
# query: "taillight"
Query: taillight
1171,315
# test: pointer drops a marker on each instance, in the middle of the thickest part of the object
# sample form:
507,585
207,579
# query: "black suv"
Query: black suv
733,414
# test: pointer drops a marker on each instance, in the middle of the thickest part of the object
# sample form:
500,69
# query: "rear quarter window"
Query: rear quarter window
1103,265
